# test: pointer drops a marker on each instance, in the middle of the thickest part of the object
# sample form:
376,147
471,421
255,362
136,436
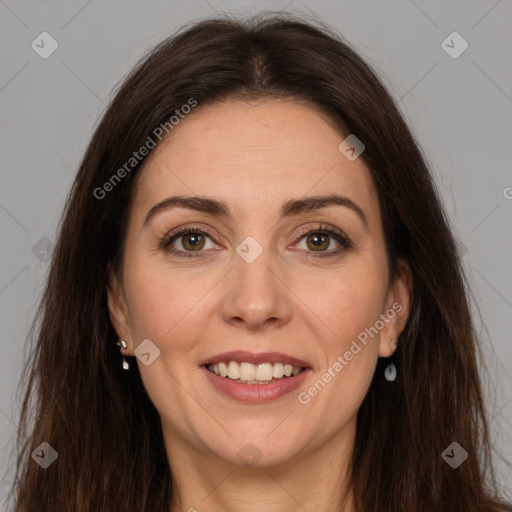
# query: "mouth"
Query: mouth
255,378
248,373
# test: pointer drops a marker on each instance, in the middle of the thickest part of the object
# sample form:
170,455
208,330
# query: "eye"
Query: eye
186,242
192,242
319,240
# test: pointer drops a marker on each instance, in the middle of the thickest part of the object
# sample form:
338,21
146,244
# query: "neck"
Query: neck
315,481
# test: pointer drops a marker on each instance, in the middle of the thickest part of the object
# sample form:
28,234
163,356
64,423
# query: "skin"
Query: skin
255,156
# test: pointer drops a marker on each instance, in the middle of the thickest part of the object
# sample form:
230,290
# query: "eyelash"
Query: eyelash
343,240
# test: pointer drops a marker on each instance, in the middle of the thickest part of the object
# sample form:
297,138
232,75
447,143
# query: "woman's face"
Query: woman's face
256,284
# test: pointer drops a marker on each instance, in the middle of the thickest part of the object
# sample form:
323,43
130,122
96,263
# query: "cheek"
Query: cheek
349,301
169,309
350,307
161,304
357,299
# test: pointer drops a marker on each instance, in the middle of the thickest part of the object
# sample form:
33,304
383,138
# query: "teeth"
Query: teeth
247,371
278,370
223,370
234,370
264,371
254,374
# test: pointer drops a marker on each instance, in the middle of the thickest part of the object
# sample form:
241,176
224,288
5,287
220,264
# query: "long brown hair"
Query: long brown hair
100,420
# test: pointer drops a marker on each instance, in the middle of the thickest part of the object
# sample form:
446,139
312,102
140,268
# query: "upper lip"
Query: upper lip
249,357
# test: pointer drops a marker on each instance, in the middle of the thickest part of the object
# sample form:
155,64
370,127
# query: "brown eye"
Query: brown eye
187,242
317,242
193,241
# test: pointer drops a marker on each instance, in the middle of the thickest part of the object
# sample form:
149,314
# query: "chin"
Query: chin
259,451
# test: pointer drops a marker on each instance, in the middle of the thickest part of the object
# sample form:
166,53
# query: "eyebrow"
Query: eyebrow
221,209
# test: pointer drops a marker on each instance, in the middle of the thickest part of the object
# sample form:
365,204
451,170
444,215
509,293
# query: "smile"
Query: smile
248,373
255,378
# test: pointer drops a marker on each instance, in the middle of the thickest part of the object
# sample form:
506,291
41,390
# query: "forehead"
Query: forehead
253,156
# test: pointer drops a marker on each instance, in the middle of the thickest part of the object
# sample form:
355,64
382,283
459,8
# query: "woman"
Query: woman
255,301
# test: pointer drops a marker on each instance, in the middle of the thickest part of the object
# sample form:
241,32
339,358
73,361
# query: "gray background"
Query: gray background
459,109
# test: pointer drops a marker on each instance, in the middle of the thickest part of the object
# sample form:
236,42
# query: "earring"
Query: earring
390,371
123,345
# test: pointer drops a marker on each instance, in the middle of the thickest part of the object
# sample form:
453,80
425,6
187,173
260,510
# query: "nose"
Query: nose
257,296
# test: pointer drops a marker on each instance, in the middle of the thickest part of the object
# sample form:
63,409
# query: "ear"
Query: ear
118,310
398,307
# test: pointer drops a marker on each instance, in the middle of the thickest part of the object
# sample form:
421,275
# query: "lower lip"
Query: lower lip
255,393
